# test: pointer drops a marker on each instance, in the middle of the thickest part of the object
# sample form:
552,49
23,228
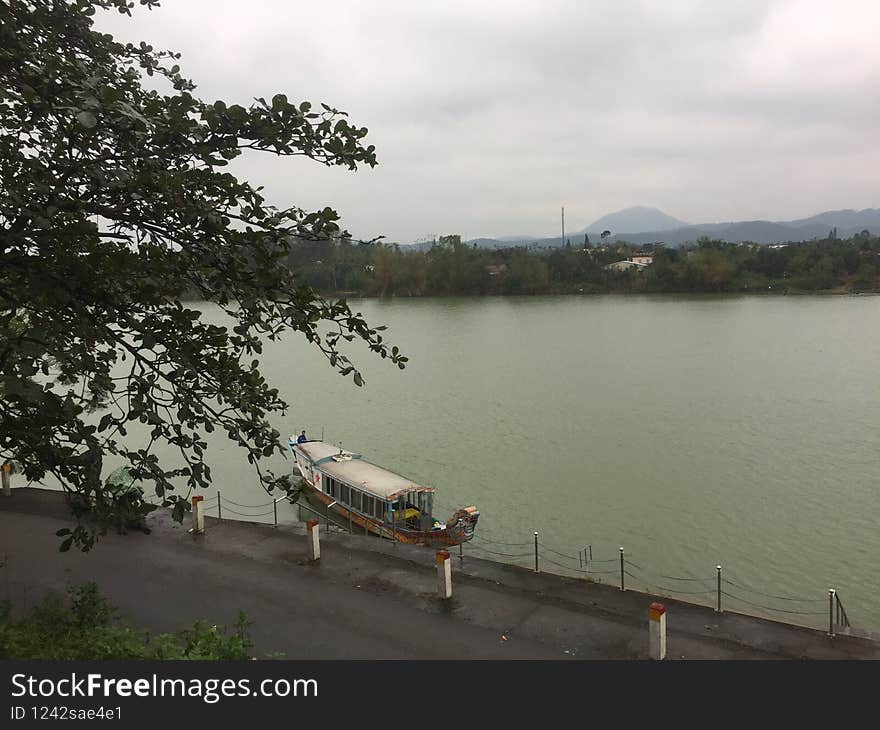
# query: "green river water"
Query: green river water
692,431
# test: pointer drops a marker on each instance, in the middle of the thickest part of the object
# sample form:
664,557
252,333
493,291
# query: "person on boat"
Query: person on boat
302,438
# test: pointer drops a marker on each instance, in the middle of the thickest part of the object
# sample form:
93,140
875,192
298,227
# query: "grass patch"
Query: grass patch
84,625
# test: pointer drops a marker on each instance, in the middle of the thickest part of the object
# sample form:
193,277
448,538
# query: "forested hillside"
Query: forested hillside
455,268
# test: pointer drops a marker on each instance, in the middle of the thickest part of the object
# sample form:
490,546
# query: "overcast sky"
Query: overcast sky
488,116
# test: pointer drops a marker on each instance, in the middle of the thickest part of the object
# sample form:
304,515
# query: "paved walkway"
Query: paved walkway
370,599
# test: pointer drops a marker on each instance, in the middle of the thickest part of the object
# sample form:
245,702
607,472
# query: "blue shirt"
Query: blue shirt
302,438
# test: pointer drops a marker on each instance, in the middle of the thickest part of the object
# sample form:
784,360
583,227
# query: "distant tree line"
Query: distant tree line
451,267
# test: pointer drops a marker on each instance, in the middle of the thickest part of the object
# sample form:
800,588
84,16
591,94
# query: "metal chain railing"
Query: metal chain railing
718,585
770,595
222,503
772,608
541,552
842,618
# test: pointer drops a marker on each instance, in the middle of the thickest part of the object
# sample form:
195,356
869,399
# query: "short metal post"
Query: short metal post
718,570
591,553
621,569
219,506
536,552
275,511
7,488
830,612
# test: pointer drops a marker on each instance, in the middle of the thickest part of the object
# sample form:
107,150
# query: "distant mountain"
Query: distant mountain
638,219
850,219
752,231
847,223
629,225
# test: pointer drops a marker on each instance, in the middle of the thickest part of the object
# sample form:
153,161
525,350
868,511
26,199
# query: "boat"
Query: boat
376,500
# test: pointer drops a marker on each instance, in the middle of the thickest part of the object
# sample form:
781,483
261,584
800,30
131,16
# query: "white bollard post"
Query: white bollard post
198,512
444,574
7,488
657,630
313,530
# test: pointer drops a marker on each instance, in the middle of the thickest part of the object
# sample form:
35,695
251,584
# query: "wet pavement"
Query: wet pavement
370,599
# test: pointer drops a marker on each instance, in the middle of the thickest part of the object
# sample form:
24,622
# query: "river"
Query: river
692,431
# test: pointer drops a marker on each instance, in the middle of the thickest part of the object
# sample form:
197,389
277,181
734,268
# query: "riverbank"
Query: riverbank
835,292
709,266
839,291
368,598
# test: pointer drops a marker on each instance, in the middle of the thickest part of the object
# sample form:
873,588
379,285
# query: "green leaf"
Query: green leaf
86,119
147,222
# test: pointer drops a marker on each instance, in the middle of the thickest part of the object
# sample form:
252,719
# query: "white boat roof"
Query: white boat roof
353,470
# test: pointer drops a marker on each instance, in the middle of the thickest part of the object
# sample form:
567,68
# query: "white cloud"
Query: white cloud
487,116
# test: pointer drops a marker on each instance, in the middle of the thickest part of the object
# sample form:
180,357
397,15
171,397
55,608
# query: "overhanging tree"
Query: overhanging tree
115,207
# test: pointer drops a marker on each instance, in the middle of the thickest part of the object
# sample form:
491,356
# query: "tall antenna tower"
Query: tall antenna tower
562,243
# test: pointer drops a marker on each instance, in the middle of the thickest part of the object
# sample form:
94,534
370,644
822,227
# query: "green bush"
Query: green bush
84,626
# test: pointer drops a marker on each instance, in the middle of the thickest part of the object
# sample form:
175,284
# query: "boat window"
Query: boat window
425,500
356,499
380,509
343,493
368,505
